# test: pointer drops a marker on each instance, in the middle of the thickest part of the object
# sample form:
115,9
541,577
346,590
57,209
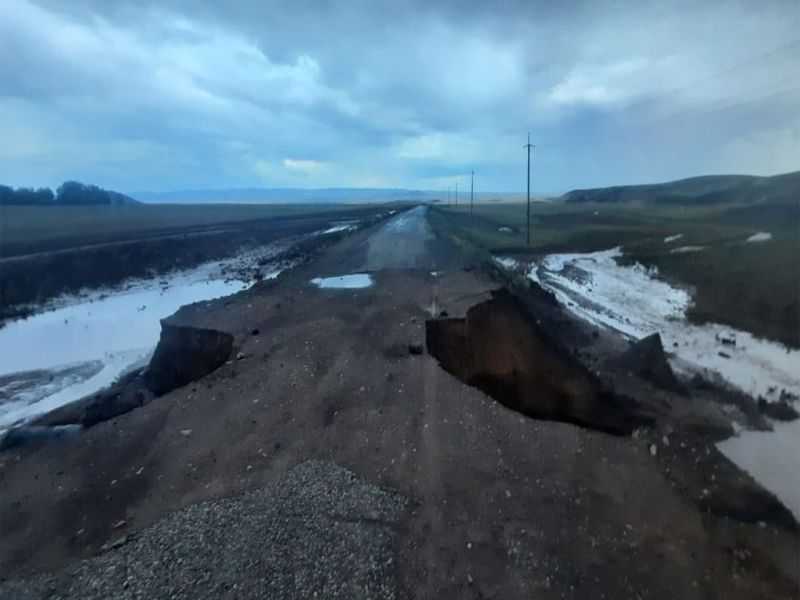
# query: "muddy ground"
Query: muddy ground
31,276
496,503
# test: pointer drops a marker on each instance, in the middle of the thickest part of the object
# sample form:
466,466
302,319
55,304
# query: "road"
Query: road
402,243
325,458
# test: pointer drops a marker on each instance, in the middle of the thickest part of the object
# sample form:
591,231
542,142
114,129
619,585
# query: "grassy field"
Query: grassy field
751,286
35,228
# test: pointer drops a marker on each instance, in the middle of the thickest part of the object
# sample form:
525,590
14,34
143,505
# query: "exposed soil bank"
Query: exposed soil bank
185,354
499,349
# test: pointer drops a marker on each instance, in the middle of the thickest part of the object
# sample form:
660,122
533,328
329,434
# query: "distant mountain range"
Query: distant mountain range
311,195
709,189
285,195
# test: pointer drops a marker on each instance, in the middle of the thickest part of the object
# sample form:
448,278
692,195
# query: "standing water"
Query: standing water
59,356
632,301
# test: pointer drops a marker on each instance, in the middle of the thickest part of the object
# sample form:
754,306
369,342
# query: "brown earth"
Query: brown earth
502,505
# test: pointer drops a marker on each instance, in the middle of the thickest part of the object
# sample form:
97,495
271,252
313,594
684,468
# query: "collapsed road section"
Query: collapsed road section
500,350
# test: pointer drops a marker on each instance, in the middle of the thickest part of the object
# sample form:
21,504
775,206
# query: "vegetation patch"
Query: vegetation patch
754,287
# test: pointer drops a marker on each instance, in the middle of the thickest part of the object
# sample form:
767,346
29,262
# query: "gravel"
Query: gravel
318,532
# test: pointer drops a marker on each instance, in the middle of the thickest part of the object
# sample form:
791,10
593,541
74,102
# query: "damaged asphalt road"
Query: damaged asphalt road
458,496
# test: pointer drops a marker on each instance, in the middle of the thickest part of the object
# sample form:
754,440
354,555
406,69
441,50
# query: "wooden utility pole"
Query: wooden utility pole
471,186
528,220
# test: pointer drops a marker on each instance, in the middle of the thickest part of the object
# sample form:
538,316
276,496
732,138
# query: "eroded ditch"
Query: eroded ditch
499,349
183,355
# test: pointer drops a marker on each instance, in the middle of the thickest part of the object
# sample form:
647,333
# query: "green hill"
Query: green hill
709,189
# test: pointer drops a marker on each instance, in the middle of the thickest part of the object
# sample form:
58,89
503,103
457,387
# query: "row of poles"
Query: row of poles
528,147
471,190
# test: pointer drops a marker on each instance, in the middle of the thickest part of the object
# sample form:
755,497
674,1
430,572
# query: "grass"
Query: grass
750,286
34,228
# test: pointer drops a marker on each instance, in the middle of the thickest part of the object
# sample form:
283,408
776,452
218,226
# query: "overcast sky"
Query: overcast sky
206,94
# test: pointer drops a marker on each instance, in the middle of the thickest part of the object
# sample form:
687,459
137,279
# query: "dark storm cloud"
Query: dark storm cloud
177,94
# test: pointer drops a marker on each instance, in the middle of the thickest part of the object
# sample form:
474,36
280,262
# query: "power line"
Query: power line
528,219
702,109
471,186
715,75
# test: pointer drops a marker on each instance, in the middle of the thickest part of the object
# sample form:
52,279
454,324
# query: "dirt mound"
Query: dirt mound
647,359
500,349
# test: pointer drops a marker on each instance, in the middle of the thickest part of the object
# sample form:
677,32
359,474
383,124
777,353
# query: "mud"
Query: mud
499,348
28,281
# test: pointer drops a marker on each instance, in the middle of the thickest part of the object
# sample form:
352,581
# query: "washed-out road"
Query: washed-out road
325,459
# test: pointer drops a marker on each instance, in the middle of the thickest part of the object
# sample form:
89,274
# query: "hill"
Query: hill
69,193
706,190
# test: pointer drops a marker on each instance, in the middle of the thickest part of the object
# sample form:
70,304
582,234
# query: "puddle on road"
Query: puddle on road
632,301
344,282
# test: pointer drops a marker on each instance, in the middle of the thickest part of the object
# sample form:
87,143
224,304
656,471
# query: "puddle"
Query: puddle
761,236
772,457
507,262
344,282
344,226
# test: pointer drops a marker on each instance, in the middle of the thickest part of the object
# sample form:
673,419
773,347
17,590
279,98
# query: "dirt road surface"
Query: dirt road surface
327,458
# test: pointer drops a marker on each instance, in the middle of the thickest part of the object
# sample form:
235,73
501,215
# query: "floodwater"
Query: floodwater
344,282
634,302
85,344
761,236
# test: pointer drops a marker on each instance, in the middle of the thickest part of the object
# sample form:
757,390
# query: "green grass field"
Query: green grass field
751,286
34,228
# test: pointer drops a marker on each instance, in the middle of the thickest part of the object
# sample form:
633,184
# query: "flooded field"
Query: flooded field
633,301
84,343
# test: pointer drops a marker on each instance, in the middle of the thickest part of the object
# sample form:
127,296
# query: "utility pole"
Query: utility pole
471,186
456,194
528,225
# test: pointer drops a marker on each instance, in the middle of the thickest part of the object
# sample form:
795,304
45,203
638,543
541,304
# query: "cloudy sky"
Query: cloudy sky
182,94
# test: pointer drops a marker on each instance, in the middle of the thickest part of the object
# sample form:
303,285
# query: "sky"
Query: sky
184,94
